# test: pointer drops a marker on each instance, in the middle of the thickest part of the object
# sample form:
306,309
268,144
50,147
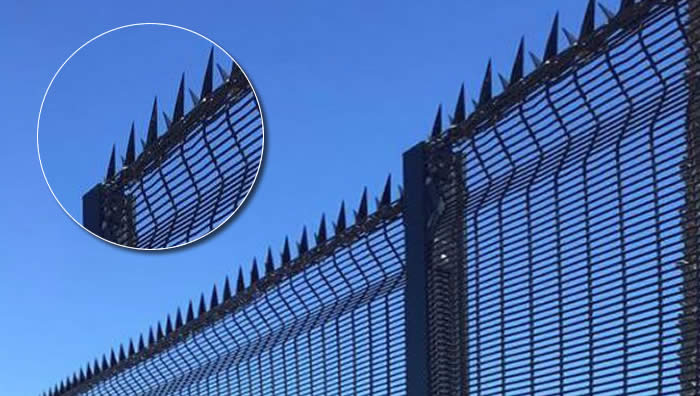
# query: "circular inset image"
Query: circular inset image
144,172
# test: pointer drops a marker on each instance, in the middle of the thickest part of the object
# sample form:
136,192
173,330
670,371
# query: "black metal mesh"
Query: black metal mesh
329,322
194,177
558,246
576,222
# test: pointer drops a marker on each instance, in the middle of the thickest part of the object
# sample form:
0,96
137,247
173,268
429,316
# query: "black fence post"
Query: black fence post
436,281
93,214
416,294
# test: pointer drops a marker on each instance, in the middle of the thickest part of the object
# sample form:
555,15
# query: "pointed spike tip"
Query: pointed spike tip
386,195
460,113
208,83
179,111
486,86
111,166
153,124
588,25
437,124
519,65
131,147
322,234
552,48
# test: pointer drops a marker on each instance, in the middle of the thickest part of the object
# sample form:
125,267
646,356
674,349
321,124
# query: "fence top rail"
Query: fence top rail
232,300
554,64
156,148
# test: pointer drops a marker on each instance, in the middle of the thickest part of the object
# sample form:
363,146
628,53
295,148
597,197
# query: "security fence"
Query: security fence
189,180
544,244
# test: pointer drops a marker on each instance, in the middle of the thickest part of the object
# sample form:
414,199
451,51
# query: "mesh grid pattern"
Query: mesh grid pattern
575,221
335,327
192,184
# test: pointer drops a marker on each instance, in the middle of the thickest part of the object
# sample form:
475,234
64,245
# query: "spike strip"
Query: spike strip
243,297
557,65
237,84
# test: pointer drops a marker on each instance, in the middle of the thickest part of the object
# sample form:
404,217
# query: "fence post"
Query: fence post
436,295
416,295
108,213
92,210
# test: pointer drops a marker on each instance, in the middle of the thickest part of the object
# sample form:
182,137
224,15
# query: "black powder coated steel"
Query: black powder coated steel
189,180
547,244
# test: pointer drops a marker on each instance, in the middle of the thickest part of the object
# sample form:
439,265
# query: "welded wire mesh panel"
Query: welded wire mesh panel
580,274
329,322
191,179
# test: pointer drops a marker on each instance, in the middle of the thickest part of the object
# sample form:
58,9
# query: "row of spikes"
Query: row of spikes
178,113
162,331
517,73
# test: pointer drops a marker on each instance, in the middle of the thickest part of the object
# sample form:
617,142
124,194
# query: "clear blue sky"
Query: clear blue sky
345,89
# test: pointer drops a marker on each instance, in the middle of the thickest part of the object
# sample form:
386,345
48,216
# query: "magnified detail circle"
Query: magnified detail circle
186,132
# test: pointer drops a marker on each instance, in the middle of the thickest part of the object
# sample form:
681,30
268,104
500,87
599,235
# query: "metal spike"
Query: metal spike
178,319
227,290
190,312
61,388
122,355
386,195
194,97
214,301
167,121
286,254
570,37
588,25
303,245
269,263
475,103
321,235
142,345
437,124
131,147
625,4
112,359
111,167
105,365
153,124
151,338
202,306
159,332
461,108
222,73
504,81
486,86
168,326
361,214
88,372
537,61
208,83
340,223
179,110
608,14
81,375
254,275
552,48
519,64
240,283
96,366
132,351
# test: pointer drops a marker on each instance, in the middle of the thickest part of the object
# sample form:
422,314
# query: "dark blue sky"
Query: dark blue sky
345,89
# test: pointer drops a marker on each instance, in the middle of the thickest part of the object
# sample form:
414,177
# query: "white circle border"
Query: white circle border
41,107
